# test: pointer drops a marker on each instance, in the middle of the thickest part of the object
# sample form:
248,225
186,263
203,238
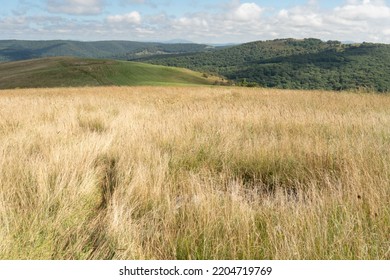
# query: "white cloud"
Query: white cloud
234,21
230,21
239,22
76,7
283,14
247,12
130,18
299,17
191,22
365,10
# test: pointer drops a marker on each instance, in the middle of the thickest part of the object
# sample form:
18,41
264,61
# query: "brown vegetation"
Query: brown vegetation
193,173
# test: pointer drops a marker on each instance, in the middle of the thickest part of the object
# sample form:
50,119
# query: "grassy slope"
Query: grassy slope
65,71
193,173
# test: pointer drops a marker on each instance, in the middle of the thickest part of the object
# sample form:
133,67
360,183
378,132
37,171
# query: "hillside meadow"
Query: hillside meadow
53,72
193,173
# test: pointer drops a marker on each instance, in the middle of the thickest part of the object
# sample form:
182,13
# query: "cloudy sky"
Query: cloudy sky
201,21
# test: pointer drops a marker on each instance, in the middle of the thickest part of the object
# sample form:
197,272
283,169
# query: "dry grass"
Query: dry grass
193,173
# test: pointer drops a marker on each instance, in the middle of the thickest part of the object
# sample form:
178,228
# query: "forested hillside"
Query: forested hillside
296,64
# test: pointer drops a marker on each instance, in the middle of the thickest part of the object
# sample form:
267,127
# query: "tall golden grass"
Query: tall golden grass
194,173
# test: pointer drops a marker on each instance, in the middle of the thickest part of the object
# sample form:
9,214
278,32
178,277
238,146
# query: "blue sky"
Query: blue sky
202,21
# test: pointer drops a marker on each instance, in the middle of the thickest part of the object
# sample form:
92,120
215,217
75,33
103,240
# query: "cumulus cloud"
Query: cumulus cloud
234,21
355,20
43,27
247,12
75,7
239,22
300,17
356,10
192,22
130,18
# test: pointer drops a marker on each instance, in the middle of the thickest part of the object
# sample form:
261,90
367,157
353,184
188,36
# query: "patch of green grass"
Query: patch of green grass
75,72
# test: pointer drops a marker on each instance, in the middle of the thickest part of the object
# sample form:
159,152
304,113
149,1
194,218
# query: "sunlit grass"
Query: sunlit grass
193,173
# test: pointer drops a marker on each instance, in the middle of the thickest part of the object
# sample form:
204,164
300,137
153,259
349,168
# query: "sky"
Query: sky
202,21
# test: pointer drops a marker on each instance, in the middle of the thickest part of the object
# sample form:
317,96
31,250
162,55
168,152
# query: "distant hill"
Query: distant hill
67,71
283,63
12,50
295,64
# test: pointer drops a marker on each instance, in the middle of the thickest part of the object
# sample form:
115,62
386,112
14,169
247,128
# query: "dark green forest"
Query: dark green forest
294,64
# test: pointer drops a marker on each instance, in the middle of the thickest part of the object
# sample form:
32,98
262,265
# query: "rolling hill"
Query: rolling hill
12,50
68,71
294,64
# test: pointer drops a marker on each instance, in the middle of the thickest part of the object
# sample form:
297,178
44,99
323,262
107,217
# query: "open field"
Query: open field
71,71
193,173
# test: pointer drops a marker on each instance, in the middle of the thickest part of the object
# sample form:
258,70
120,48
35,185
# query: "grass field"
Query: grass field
193,173
68,71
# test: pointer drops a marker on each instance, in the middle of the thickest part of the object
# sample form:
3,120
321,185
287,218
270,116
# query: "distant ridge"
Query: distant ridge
13,50
178,41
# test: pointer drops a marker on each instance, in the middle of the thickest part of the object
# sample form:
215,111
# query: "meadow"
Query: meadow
52,72
194,173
